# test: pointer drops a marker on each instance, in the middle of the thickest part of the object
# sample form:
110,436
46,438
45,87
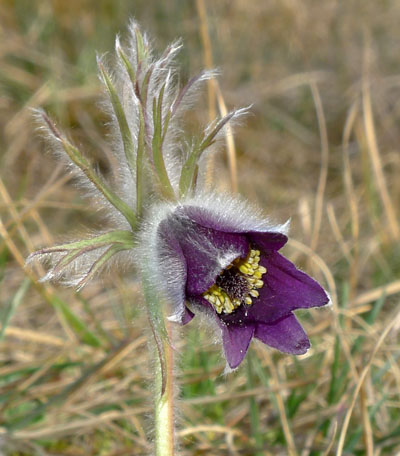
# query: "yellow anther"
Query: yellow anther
229,306
249,269
257,274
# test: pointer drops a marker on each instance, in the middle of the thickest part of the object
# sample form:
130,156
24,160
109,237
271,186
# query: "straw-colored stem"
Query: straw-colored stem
323,175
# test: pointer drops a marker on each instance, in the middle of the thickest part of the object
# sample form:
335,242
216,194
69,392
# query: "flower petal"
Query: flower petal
206,251
172,265
285,289
290,286
236,340
287,335
268,240
187,316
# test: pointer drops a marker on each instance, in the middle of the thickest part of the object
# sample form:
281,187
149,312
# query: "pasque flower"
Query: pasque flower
218,256
196,251
204,251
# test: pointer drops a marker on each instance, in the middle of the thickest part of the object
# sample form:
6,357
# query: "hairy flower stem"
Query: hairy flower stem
164,398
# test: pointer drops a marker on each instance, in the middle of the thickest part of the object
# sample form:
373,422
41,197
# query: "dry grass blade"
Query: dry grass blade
211,428
207,56
376,161
393,322
281,407
302,69
77,425
337,233
15,216
328,449
367,427
230,141
319,198
215,95
115,357
372,295
261,391
27,335
348,180
333,294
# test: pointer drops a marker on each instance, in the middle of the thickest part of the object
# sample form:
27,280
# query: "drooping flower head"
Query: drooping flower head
204,252
218,256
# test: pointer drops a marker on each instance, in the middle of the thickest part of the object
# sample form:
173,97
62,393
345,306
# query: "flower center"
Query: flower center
237,284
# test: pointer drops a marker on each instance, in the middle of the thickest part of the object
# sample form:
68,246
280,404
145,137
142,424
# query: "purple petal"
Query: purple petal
172,265
287,335
206,251
292,287
187,316
236,340
192,256
268,241
285,289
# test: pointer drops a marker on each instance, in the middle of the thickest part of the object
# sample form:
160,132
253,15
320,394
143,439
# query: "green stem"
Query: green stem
164,398
163,364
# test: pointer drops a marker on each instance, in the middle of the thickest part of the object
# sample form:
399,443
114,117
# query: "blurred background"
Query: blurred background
321,147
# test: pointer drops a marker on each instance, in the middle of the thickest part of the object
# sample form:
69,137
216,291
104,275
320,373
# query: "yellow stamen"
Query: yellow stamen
257,274
250,269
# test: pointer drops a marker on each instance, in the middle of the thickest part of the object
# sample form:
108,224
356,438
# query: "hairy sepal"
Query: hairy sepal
119,111
86,168
212,133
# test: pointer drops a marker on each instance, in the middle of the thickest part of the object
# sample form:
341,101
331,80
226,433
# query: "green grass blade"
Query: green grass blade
12,305
254,408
